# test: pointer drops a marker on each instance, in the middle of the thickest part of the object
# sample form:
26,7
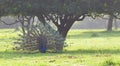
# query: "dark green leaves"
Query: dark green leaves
34,7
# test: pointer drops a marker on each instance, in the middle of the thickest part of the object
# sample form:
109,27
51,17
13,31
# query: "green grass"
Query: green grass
85,48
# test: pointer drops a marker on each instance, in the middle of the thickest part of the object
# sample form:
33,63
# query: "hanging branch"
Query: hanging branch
15,22
79,18
22,24
54,19
116,17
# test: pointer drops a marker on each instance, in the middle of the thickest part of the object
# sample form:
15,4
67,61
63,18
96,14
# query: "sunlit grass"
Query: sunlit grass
85,48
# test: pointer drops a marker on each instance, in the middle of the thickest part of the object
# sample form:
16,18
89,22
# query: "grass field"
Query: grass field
85,48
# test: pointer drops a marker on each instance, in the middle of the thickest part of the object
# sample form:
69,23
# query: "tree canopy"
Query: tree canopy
63,13
35,7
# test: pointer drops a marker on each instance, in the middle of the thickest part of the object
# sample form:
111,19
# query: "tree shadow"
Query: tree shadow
12,54
90,51
93,34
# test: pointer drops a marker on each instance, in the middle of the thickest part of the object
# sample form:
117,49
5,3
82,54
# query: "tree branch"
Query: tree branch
116,17
9,23
54,19
79,18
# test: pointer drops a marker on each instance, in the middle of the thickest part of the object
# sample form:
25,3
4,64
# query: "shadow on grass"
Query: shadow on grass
103,51
92,34
12,55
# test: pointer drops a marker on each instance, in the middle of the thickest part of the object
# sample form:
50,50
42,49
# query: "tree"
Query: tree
110,23
62,13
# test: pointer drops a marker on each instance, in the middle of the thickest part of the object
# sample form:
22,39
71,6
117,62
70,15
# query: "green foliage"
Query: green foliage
63,13
34,7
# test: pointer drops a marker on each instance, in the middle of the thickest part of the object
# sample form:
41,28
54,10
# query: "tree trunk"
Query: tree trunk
115,24
64,30
63,27
110,23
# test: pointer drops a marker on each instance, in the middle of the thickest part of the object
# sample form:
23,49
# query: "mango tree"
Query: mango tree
62,13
